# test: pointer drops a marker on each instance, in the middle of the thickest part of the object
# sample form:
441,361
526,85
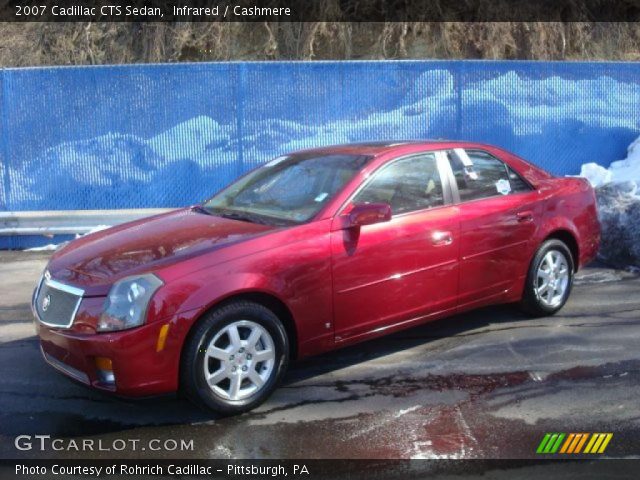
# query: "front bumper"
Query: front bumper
139,369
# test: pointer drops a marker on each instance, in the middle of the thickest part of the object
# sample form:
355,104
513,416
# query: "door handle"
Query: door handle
439,238
524,216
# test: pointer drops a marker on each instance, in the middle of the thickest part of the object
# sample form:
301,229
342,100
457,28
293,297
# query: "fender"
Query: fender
195,302
300,279
213,289
572,208
554,224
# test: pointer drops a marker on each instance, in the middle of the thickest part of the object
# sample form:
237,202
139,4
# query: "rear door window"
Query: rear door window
518,184
479,174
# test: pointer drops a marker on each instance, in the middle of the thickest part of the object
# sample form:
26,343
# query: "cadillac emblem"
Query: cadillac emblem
46,302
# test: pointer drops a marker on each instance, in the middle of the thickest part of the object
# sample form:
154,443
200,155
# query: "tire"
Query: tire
241,376
536,300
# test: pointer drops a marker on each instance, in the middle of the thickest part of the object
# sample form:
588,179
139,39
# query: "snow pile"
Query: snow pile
618,198
620,171
619,214
596,174
629,168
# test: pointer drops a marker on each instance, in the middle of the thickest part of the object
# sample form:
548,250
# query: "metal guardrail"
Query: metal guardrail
68,222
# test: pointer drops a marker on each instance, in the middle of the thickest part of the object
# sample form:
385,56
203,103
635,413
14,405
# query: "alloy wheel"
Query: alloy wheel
239,360
552,278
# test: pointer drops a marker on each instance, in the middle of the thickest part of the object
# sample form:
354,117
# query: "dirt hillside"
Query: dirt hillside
30,44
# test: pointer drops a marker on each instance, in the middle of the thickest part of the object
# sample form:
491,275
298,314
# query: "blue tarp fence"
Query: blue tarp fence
107,137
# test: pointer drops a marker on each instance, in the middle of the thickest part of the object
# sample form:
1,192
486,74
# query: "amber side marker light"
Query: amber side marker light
162,337
104,366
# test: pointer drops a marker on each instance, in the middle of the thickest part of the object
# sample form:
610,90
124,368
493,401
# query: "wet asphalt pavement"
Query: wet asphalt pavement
487,384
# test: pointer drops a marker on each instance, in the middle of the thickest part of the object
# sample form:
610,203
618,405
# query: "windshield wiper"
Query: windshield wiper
243,217
200,209
246,217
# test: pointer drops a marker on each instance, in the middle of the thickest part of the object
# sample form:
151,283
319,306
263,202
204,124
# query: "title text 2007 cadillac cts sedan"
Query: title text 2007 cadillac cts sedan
314,250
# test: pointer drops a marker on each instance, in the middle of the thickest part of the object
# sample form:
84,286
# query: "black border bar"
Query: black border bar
321,469
319,10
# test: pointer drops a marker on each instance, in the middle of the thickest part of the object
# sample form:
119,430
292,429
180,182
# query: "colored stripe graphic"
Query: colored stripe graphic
543,443
573,443
556,446
598,442
592,441
581,443
605,443
550,443
565,447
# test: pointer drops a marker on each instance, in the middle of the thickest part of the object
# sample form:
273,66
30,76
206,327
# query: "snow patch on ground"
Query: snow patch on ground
618,198
51,247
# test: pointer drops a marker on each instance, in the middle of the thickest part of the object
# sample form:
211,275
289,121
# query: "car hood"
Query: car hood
145,245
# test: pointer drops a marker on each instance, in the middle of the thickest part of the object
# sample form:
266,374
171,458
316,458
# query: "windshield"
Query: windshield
287,190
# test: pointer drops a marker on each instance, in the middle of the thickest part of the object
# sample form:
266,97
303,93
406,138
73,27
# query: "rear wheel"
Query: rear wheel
549,279
234,358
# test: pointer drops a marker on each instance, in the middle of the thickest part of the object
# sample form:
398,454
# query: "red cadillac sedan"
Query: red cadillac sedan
312,251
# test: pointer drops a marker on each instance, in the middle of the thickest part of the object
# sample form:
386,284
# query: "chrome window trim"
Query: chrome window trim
506,165
447,199
78,292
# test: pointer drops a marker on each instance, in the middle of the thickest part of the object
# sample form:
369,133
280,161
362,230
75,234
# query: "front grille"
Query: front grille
56,304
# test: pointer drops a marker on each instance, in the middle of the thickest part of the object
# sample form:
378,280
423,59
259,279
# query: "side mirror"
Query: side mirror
366,214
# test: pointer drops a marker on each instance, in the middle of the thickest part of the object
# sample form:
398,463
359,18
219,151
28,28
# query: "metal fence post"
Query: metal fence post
459,74
240,98
4,147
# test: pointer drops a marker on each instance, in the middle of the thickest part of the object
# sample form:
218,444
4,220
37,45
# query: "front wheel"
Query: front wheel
234,358
549,279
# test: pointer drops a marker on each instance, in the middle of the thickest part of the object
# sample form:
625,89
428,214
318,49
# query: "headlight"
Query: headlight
126,305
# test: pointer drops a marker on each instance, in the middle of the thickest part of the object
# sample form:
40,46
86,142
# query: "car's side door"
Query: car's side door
396,271
499,213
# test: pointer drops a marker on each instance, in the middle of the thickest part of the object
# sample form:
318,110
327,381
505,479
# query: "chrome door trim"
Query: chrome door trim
448,179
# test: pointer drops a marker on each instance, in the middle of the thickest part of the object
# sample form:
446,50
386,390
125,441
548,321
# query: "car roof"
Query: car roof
384,146
531,172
